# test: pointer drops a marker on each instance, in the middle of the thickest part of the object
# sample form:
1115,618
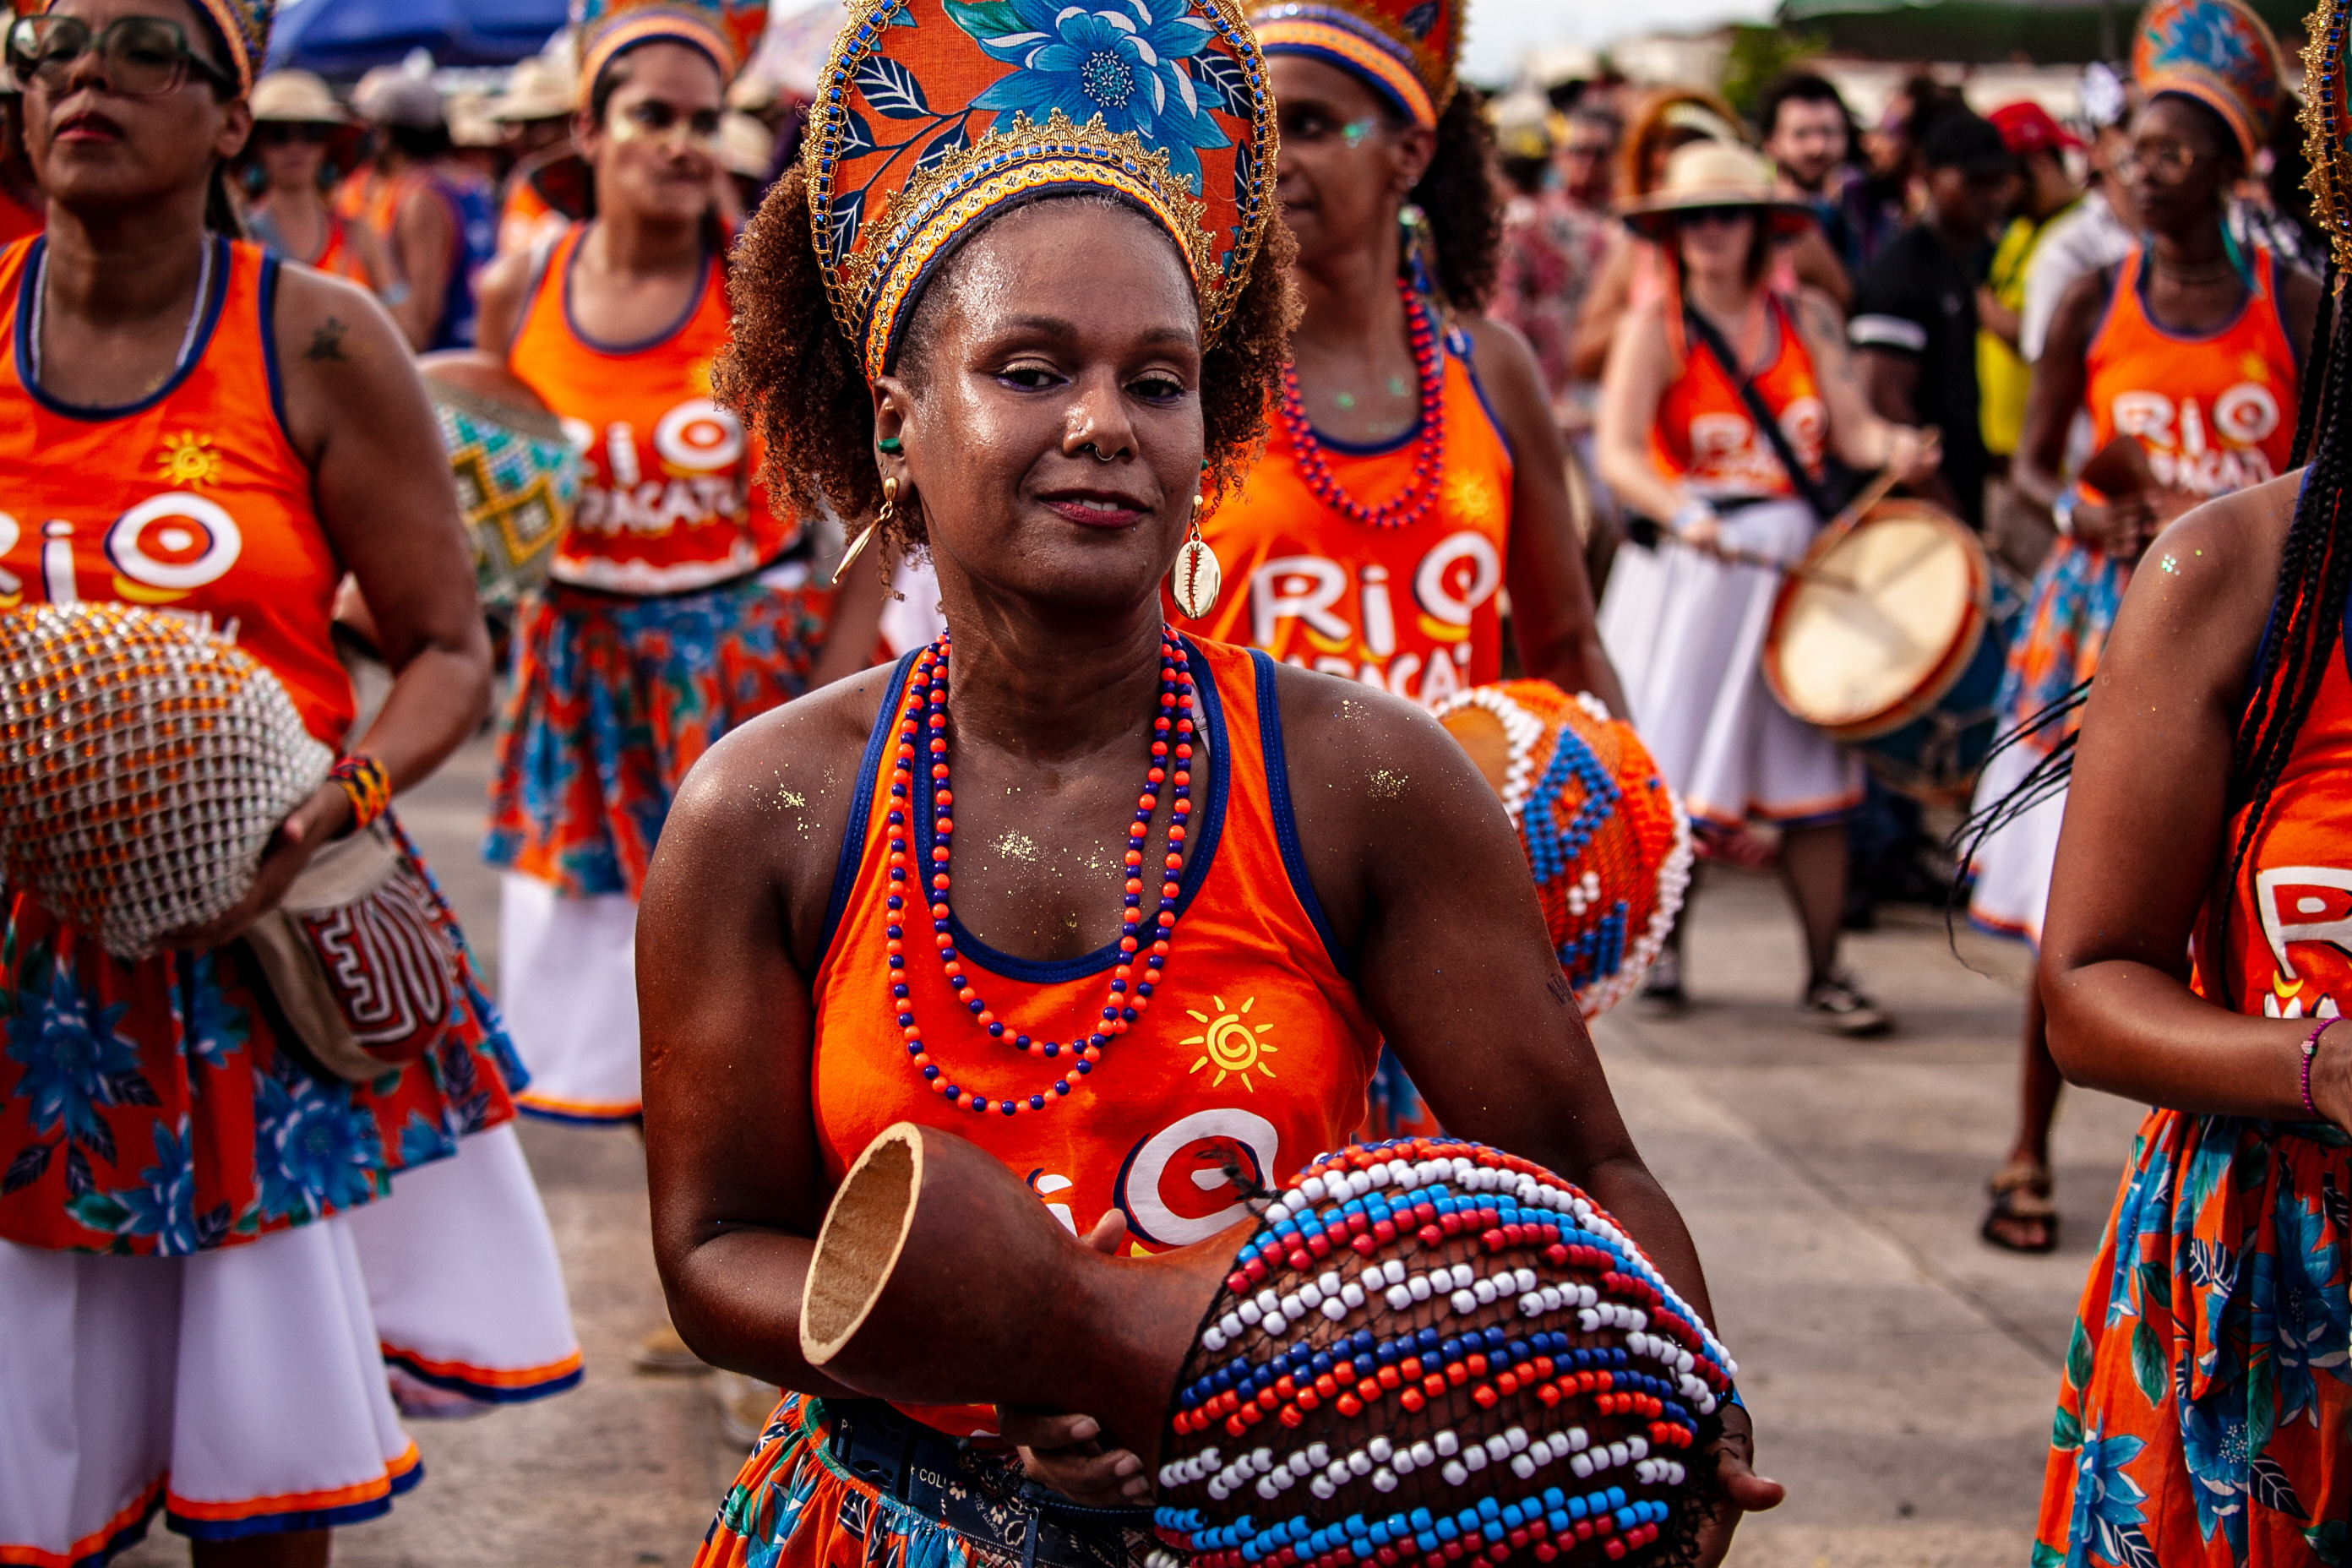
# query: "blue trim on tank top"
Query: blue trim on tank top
643,345
861,805
1207,828
1286,824
223,264
269,296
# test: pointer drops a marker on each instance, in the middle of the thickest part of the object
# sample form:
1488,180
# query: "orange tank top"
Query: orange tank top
190,500
671,500
1411,609
525,219
1703,435
2288,943
1254,1053
338,257
2215,413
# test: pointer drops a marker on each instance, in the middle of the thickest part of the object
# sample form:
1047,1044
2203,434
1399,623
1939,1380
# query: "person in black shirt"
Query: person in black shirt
1915,317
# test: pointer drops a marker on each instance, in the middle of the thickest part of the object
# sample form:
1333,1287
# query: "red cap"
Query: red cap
2026,127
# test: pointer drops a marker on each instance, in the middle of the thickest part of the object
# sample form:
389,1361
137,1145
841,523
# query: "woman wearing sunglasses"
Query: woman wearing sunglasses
2187,350
210,1247
295,123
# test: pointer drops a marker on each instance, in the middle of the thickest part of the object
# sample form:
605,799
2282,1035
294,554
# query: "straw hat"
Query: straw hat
296,96
535,89
1710,175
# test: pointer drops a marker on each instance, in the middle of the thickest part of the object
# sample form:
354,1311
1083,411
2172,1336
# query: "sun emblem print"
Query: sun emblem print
188,460
1232,1044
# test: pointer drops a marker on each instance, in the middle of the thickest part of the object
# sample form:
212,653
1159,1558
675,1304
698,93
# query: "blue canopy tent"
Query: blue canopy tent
341,38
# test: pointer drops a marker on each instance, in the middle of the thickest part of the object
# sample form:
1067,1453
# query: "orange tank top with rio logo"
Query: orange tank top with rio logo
1254,1054
190,500
671,500
1704,437
2216,413
1410,609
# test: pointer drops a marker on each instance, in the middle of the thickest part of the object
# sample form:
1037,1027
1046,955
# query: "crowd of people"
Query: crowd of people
1220,394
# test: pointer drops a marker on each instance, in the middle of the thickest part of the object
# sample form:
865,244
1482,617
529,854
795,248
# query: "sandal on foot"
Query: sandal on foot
2021,1200
1836,1005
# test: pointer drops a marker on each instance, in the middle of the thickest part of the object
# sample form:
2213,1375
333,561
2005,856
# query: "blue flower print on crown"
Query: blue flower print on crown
1124,64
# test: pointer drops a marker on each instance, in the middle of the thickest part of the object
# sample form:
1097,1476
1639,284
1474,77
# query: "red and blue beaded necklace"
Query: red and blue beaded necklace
1407,505
1172,743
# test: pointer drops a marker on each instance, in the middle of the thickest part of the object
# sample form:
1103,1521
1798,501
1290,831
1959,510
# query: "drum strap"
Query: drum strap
1824,498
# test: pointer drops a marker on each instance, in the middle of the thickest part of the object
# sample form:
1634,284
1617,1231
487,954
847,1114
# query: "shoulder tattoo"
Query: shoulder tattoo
327,343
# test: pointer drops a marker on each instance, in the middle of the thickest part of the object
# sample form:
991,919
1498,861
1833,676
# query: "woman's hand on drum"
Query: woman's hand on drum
311,824
1059,1448
2120,528
1744,1491
1914,454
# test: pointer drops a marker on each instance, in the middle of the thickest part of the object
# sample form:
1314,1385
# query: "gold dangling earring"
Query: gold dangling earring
1196,577
857,546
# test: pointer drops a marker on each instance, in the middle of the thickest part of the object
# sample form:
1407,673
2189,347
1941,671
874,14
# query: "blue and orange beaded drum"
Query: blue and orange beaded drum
1606,838
1432,1353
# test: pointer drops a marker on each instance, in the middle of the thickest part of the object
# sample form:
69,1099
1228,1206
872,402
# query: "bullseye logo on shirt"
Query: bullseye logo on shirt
693,479
161,549
1177,1186
1347,619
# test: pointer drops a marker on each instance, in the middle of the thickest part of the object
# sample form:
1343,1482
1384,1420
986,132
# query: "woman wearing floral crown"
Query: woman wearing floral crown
681,602
1024,303
2193,958
2186,349
211,1244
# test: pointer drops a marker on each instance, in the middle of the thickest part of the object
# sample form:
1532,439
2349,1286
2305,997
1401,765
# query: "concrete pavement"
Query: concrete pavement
1901,1374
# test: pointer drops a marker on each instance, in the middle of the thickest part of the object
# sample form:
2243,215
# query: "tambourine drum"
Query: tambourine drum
1606,838
518,475
1884,638
143,767
1418,1353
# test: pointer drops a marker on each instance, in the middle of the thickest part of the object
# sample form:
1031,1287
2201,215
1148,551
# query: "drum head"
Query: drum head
1889,610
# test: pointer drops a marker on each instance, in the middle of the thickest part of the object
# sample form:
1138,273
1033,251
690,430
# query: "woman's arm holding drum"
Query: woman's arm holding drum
1552,615
2146,839
356,413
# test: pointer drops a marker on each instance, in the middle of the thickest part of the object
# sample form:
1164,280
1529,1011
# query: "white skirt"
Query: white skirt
2013,870
1686,634
567,994
244,1391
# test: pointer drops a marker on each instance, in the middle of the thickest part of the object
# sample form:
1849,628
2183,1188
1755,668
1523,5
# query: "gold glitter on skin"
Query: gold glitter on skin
1017,846
1386,785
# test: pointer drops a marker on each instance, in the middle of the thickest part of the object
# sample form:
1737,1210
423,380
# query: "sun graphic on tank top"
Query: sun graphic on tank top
188,459
1232,1044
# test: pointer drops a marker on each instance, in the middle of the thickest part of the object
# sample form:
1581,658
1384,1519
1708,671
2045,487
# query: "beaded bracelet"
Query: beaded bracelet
363,783
2310,1050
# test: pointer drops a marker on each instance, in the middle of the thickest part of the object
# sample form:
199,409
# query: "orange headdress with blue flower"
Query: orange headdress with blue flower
726,30
2219,53
933,114
1405,49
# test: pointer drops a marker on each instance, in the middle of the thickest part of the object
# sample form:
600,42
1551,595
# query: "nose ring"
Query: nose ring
1101,455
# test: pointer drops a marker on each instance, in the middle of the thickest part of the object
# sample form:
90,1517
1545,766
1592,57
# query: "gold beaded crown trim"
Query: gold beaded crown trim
933,114
1406,51
2219,53
2327,128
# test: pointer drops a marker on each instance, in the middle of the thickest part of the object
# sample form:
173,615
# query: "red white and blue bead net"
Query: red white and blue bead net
1432,1353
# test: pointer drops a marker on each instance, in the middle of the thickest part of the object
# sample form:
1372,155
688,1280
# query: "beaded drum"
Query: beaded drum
518,475
1429,1353
1607,841
143,767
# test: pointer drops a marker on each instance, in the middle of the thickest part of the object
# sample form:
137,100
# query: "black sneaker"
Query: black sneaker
1836,1005
1663,986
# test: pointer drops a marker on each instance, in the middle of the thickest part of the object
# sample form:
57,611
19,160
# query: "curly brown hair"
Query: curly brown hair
1466,211
797,380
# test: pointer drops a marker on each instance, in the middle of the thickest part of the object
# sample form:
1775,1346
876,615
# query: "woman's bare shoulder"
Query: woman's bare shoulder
2201,594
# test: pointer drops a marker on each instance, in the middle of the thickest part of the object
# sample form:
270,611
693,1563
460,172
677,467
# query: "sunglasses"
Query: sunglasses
142,56
280,132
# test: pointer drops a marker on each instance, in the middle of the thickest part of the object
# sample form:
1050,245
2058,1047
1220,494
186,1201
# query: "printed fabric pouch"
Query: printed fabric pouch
360,957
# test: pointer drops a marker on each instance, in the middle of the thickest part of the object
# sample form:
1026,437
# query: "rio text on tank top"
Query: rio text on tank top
2288,945
671,500
1254,1053
2215,413
190,501
1411,609
1704,436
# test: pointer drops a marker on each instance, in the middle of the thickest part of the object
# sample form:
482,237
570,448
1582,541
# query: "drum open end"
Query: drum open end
518,474
1889,637
1606,838
1419,1355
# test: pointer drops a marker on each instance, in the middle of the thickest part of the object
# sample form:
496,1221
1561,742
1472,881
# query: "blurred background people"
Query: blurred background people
535,112
433,212
1809,136
296,120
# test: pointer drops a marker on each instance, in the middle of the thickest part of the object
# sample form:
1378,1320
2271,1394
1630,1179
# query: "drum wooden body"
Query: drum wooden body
1879,640
1606,838
1414,1330
518,475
